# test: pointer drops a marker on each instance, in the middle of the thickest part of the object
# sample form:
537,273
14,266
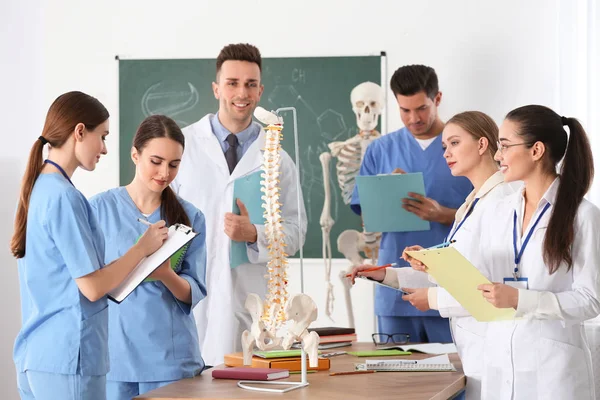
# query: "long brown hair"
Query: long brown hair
161,126
479,125
64,114
541,124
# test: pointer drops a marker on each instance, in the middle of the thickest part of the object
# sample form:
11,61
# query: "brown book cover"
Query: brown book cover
292,364
332,330
253,374
338,338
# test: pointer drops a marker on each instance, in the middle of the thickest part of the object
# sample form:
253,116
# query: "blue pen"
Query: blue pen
442,245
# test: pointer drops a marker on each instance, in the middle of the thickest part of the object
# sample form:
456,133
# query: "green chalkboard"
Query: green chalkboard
318,87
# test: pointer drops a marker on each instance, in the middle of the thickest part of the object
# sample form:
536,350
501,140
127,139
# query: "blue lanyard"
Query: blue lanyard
62,171
464,219
519,254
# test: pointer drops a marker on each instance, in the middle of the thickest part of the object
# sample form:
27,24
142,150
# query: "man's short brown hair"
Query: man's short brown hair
239,52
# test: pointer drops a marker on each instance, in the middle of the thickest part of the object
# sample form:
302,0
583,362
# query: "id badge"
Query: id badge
518,283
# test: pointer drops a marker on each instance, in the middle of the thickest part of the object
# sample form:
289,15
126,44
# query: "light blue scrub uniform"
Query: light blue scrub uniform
61,350
400,149
153,338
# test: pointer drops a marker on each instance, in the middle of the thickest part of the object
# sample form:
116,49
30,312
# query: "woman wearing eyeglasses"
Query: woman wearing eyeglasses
470,139
542,247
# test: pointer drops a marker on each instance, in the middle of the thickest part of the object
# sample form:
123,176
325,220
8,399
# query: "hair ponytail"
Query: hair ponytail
577,172
171,209
32,171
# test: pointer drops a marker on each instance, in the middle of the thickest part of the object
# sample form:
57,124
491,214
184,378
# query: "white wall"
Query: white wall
491,56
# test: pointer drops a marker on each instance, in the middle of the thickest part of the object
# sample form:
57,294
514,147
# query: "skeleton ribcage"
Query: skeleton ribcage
348,165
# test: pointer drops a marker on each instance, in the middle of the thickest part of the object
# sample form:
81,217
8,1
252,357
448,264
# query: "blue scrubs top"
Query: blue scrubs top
153,335
401,150
62,330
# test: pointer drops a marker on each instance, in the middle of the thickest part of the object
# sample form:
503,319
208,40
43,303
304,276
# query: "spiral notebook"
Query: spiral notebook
438,363
179,235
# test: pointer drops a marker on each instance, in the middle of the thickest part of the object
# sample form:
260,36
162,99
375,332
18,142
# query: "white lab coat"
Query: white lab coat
543,355
204,180
468,333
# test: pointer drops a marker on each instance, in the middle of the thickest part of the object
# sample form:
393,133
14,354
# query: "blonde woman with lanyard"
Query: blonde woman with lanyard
542,246
61,350
470,141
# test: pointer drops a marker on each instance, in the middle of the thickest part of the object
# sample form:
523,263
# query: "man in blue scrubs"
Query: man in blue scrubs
415,148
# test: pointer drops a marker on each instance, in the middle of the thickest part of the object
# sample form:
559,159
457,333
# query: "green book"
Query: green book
176,260
278,353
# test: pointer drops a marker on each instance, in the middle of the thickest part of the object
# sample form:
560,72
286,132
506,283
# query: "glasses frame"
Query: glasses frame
503,147
389,338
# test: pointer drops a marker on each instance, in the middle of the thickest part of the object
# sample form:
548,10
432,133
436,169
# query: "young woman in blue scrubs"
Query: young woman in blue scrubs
152,333
61,349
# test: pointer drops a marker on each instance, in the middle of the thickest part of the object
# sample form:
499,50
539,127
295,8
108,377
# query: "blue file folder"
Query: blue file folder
381,202
247,189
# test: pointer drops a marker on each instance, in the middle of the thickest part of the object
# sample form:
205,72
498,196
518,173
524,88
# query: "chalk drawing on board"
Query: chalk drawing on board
170,98
332,125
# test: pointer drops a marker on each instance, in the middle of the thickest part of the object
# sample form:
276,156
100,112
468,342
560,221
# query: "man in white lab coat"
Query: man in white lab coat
221,148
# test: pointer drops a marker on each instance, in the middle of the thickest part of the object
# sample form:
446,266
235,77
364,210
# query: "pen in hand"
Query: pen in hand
143,221
375,268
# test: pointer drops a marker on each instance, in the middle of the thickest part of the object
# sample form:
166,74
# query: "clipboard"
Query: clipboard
179,236
460,278
381,202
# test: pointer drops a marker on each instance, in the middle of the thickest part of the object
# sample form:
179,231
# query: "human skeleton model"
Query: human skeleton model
367,103
278,307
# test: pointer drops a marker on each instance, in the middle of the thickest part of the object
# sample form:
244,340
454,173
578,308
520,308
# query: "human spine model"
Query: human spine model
277,295
278,307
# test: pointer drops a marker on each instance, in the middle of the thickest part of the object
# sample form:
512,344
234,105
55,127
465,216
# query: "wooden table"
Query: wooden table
380,385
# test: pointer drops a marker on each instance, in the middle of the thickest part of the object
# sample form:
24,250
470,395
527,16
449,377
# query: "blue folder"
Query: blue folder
247,189
381,202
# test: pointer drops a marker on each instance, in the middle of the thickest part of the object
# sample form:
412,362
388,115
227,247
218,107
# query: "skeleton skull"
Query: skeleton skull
367,103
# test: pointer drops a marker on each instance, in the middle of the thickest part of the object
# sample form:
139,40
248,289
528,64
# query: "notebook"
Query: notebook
437,363
179,235
380,353
247,189
427,348
381,202
249,373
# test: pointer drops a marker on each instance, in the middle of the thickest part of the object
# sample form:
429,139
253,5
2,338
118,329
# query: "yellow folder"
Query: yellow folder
460,278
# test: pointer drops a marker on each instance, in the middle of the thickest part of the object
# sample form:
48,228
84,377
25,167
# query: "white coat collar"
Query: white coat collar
250,162
487,187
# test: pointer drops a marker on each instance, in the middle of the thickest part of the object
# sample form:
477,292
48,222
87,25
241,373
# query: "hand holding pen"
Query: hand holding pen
416,264
369,271
153,238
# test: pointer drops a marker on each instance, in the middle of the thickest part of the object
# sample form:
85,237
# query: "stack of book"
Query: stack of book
285,359
331,337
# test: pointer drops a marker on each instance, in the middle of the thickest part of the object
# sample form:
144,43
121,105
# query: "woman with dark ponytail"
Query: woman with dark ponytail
153,338
61,349
542,248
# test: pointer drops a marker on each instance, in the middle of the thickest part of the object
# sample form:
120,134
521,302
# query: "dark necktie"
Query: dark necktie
231,152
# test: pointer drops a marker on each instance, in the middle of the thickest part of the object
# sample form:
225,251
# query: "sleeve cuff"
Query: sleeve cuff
432,295
197,295
391,278
527,303
257,251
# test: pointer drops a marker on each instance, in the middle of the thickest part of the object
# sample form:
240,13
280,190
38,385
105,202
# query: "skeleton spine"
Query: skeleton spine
277,295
